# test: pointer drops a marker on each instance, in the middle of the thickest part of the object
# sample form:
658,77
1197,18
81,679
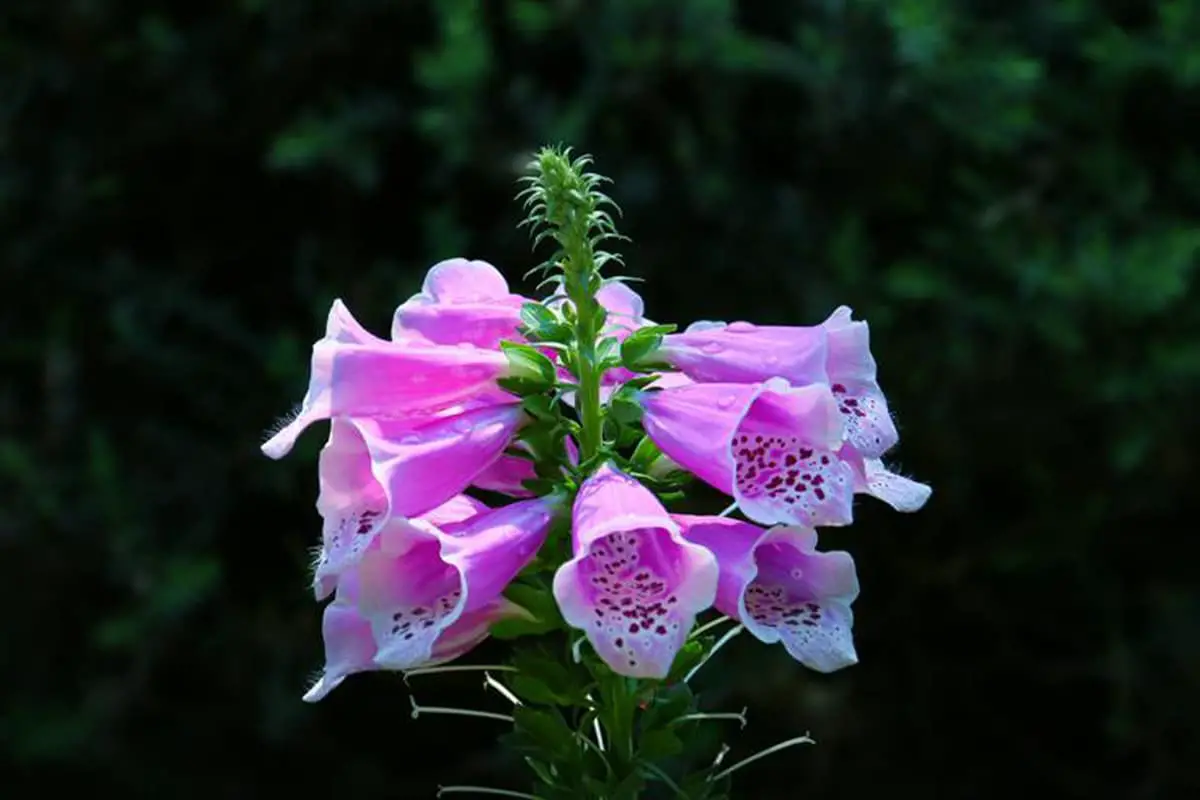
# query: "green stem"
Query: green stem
579,271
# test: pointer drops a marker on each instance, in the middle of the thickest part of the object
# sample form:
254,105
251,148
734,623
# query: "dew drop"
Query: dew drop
712,348
740,327
726,401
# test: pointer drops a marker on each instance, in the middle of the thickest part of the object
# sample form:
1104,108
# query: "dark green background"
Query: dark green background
1009,191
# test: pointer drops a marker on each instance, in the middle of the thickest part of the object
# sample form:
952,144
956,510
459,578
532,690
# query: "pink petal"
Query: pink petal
506,476
777,585
732,543
461,301
773,447
626,310
472,628
634,586
349,648
350,643
838,352
456,510
786,462
872,477
851,367
355,377
418,580
694,424
352,503
850,356
744,353
422,467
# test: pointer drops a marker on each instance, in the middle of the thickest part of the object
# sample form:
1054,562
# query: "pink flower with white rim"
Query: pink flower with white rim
837,352
781,588
356,374
461,301
633,586
350,645
428,592
773,447
371,470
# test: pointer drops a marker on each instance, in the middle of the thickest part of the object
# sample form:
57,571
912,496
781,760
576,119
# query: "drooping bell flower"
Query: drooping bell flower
634,586
774,448
372,469
413,582
781,588
356,374
837,352
461,301
350,645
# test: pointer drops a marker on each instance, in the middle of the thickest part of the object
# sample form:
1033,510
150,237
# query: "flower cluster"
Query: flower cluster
788,421
588,418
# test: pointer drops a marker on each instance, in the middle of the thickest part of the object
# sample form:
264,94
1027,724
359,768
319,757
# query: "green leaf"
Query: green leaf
659,745
539,486
521,387
608,352
645,454
541,770
640,382
688,657
541,407
625,409
546,733
667,706
542,677
530,364
536,315
543,611
638,347
543,324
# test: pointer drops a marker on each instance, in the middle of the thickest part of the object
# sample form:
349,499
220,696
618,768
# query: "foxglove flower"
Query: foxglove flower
634,586
356,374
781,588
371,470
422,466
461,301
350,645
837,352
774,448
413,582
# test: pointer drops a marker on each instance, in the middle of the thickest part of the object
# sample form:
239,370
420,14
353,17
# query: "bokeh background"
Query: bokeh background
1009,192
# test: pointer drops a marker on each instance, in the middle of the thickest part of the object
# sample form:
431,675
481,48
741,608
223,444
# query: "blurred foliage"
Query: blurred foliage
1008,191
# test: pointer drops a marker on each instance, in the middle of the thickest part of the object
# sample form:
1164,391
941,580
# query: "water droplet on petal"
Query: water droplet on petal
712,348
726,401
740,327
